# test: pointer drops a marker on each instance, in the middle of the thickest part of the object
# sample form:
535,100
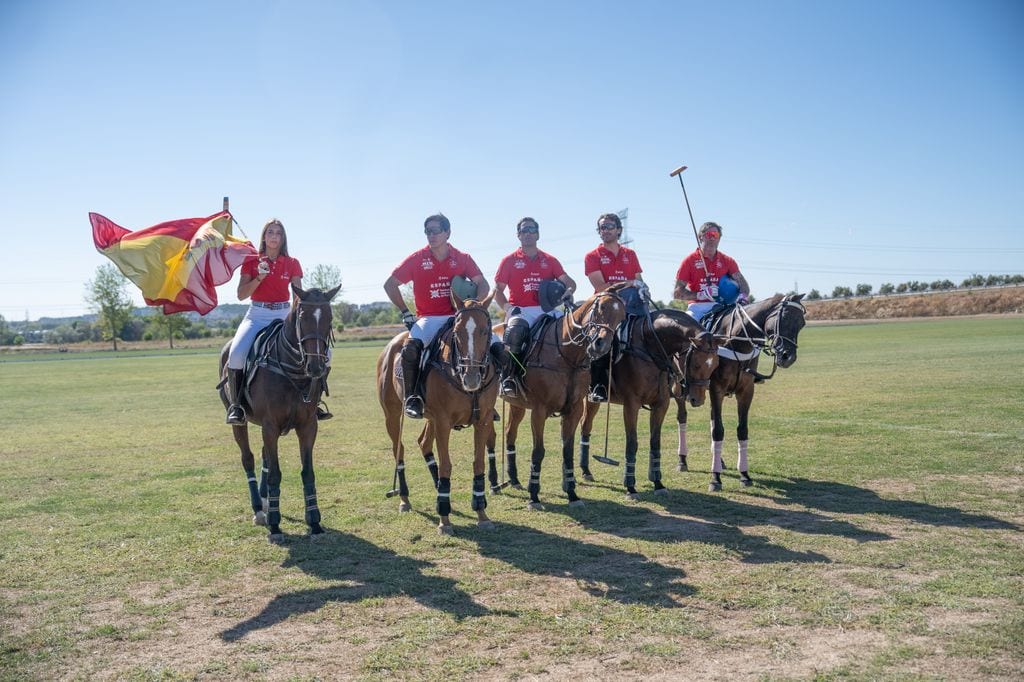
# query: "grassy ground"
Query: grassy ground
882,538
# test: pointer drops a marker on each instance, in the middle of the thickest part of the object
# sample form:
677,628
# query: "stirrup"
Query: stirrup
598,395
236,416
414,407
508,387
323,413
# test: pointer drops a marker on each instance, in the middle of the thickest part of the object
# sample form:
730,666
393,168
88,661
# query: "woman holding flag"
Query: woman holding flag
266,278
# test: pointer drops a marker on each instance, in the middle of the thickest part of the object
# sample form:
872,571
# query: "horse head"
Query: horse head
593,324
783,324
694,352
471,341
313,320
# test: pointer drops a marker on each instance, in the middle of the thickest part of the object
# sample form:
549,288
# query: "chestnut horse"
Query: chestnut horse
459,389
771,327
556,383
282,390
666,356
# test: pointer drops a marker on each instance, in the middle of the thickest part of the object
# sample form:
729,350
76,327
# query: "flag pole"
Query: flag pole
227,202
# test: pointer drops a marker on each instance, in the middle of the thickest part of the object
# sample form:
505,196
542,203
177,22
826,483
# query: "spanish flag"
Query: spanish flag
177,264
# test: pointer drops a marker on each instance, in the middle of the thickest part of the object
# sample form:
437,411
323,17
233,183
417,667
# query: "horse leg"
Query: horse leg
682,451
492,461
481,432
744,397
426,442
273,466
658,411
307,437
444,480
537,420
717,434
569,424
264,475
515,417
630,415
586,428
241,433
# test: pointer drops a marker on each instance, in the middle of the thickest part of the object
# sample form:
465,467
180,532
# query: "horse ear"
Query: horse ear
798,298
299,291
333,292
456,300
486,303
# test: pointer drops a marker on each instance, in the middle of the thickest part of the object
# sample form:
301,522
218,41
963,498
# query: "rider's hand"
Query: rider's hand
567,298
743,299
408,319
263,269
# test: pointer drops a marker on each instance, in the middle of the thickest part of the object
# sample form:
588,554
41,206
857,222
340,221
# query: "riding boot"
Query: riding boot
410,378
506,369
323,413
599,380
236,415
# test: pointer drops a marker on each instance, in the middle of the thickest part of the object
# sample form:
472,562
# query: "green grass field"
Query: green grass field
882,538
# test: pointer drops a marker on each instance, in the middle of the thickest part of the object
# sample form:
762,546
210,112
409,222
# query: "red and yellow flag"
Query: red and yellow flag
177,264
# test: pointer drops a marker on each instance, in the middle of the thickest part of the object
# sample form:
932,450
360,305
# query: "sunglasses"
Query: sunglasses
529,228
711,234
601,228
433,230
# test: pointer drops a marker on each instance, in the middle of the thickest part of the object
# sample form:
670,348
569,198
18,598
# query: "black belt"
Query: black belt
271,306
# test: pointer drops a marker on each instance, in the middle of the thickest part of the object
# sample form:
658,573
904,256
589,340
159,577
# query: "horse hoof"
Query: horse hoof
577,503
661,491
404,507
682,467
315,529
276,538
518,486
588,477
714,487
259,519
632,496
495,490
485,524
445,529
746,482
535,506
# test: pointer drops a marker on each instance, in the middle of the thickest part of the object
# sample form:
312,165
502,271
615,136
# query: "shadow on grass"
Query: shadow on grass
849,499
367,571
643,524
601,571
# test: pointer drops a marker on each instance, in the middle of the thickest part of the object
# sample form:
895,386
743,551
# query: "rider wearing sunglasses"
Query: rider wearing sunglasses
431,271
700,272
522,271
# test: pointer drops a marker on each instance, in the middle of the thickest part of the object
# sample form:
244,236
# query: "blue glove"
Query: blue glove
408,319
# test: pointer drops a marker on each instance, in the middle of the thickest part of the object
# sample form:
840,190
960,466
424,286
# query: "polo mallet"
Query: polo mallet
678,173
605,459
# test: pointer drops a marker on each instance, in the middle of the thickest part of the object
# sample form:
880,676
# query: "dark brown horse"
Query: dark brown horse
282,390
770,327
556,383
667,355
460,388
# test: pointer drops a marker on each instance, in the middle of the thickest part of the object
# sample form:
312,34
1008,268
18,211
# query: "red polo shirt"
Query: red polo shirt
615,268
523,275
432,278
275,287
695,266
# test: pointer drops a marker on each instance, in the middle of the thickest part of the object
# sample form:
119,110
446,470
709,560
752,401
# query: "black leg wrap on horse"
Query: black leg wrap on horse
274,507
513,468
534,485
654,467
444,492
428,457
479,502
263,483
403,488
585,454
629,474
492,468
312,509
254,491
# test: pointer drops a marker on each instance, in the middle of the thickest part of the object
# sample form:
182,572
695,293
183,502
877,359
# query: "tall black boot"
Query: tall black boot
599,380
410,378
506,369
236,415
324,413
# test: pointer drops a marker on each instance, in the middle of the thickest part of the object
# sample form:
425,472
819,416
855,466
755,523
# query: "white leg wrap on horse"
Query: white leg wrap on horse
716,456
682,439
741,463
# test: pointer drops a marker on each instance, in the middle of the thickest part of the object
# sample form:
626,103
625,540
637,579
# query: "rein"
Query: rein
288,358
577,334
768,343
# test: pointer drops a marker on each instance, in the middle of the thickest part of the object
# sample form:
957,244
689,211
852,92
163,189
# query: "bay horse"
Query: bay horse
282,388
556,383
459,389
668,355
771,327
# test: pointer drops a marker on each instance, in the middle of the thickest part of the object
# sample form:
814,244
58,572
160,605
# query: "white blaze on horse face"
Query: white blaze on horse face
708,361
316,316
470,328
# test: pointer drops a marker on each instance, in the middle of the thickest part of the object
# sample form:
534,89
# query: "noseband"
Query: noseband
322,341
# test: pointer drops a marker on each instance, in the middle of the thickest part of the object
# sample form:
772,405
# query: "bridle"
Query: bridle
586,334
463,363
774,343
686,382
323,341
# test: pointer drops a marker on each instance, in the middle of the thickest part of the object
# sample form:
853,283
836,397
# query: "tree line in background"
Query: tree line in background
919,287
117,319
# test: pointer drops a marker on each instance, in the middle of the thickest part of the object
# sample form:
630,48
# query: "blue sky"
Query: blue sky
837,143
